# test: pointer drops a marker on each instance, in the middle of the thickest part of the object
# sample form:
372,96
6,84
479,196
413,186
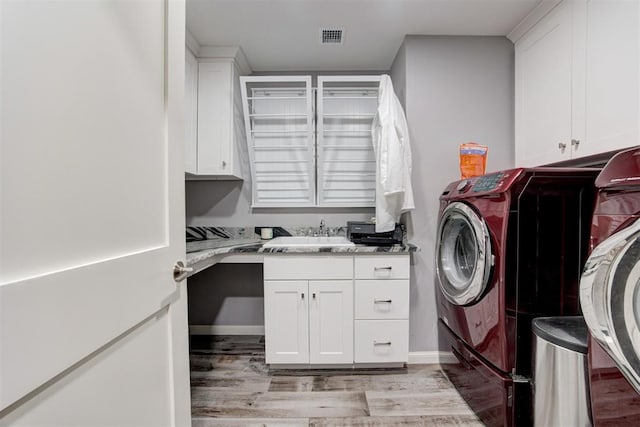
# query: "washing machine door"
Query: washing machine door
463,258
610,299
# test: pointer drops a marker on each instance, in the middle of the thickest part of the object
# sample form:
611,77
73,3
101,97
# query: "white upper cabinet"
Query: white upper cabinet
346,161
612,77
311,147
577,82
219,146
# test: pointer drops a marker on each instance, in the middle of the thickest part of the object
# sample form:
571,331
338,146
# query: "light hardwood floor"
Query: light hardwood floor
232,386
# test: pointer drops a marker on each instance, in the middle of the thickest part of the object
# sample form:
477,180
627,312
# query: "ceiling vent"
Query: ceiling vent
331,36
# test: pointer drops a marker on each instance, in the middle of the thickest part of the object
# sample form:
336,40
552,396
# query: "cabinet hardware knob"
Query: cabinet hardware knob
382,268
562,146
180,272
381,301
314,296
381,342
224,164
575,143
303,295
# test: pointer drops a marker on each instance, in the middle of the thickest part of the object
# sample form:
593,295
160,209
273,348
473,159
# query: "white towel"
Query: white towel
390,134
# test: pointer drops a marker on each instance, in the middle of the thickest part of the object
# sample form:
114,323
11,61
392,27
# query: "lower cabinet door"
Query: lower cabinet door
382,341
331,321
286,313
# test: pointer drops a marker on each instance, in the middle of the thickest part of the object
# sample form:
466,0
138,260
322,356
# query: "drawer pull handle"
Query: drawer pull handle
381,342
382,268
382,301
303,295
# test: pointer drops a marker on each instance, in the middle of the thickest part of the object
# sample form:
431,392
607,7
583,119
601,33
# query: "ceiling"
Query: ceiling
284,35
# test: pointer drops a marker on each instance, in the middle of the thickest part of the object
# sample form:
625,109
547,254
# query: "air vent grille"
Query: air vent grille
331,36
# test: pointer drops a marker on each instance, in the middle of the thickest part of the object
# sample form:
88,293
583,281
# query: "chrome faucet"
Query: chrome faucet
322,232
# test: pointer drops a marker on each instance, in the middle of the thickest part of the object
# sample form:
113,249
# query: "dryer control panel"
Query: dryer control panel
479,186
487,182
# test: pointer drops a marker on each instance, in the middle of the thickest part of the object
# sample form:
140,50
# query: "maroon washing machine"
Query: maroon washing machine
610,294
511,247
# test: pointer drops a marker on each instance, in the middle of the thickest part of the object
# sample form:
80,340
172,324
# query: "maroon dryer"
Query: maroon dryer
610,294
511,247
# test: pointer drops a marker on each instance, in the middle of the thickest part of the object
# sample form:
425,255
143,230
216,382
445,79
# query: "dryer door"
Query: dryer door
463,258
610,299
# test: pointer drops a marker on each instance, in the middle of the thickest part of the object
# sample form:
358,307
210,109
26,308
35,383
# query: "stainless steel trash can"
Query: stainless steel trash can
560,382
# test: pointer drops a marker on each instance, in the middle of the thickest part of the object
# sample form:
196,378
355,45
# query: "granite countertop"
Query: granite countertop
217,241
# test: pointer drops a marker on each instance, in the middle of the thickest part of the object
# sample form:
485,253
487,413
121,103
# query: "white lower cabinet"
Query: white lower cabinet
308,321
316,314
381,309
308,309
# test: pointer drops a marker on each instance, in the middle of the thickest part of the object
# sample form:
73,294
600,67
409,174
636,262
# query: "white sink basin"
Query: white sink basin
309,242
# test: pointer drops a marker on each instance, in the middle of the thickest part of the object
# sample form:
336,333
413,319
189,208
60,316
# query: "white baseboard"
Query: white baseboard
415,357
431,357
226,329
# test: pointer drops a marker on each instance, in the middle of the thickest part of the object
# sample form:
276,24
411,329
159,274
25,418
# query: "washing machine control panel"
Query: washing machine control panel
487,182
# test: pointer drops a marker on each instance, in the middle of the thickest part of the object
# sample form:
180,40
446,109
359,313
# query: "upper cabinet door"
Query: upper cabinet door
215,115
544,90
92,223
611,77
346,160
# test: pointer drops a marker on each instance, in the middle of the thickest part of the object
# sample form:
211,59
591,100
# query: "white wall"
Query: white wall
456,90
228,203
227,294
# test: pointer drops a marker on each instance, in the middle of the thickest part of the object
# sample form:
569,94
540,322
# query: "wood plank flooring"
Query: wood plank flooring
231,386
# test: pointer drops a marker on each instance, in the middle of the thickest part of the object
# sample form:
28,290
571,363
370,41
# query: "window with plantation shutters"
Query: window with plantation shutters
311,147
346,106
278,115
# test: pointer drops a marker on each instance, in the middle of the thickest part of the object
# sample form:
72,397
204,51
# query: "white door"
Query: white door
331,321
286,321
93,328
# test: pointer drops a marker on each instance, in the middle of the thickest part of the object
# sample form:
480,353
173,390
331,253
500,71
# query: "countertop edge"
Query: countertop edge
202,259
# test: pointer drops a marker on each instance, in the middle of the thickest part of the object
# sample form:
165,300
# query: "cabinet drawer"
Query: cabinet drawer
292,267
381,341
382,299
382,267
